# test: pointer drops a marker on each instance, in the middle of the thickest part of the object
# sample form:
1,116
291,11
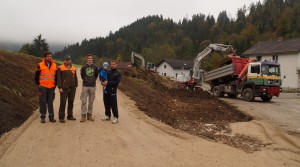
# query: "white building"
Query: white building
172,67
286,53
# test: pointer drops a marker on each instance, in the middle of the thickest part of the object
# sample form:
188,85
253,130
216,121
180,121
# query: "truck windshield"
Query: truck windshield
270,70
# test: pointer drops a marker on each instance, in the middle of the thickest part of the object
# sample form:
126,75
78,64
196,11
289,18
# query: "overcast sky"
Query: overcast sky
70,21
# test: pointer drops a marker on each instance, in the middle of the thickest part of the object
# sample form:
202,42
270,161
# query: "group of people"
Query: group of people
48,76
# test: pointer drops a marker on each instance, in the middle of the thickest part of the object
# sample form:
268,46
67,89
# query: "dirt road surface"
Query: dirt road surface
282,112
136,140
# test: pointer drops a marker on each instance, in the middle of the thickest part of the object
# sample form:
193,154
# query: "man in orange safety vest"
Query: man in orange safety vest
45,77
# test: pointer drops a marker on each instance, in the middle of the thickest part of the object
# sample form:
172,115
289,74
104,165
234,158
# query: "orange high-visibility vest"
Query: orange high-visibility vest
47,76
64,68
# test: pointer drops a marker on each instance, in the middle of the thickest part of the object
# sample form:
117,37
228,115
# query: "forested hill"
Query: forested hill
156,37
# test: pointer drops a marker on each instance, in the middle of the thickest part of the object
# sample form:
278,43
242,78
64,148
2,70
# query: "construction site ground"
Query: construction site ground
283,112
159,125
196,112
18,93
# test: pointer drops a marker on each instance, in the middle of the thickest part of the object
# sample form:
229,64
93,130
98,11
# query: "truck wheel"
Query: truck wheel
232,95
248,94
266,98
216,91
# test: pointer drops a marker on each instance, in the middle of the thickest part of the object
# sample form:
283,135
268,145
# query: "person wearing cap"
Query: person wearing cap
110,96
45,77
103,75
89,75
67,83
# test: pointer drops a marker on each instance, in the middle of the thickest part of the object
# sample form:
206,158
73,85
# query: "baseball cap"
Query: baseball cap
67,57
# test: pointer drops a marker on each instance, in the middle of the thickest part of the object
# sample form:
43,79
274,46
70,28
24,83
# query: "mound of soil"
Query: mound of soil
194,111
18,92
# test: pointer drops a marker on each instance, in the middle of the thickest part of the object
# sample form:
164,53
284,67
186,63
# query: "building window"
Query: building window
258,58
165,66
275,57
176,75
162,73
165,74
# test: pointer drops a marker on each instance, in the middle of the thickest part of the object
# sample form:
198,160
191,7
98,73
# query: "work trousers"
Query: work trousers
110,103
87,92
67,94
46,98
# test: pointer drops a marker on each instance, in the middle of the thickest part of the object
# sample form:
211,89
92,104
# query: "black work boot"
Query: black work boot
61,120
71,118
52,120
43,120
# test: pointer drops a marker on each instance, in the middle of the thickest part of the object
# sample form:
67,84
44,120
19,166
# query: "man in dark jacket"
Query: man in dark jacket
110,97
89,75
45,77
67,83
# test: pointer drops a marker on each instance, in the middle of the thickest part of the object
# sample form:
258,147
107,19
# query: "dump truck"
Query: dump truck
243,76
246,77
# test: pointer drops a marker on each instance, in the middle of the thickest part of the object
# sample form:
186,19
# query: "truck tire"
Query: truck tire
216,91
266,98
248,94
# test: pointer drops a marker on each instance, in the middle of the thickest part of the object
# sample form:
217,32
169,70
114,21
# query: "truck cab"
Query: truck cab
264,73
264,79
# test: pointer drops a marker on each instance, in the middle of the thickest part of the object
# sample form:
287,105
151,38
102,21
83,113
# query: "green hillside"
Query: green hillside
156,37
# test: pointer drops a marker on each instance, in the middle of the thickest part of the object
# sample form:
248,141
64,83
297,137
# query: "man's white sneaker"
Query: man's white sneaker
105,118
115,120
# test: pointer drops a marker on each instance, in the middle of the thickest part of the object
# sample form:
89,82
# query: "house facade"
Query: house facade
172,68
286,53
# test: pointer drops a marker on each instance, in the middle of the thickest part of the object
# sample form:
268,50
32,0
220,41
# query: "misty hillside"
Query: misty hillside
10,46
156,37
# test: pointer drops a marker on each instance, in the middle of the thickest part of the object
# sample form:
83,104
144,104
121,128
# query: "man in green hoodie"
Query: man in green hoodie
67,83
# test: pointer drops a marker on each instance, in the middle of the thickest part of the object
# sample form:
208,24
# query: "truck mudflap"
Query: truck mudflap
269,91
